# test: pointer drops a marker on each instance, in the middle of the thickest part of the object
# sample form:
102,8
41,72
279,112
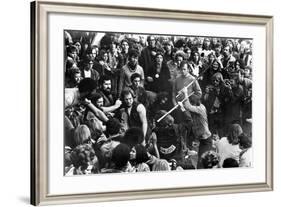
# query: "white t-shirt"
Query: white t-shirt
246,158
227,150
71,96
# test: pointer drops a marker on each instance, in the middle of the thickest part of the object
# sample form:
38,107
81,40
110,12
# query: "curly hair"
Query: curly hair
82,155
209,159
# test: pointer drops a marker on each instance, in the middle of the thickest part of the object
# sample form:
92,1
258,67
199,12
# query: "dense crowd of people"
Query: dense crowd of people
138,103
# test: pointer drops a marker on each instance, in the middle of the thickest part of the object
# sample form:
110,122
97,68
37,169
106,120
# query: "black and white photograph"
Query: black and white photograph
151,102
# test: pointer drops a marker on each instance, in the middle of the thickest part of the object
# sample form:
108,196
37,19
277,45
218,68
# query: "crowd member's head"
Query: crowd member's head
215,66
179,57
78,46
95,125
206,44
75,76
139,154
217,49
97,100
239,64
235,131
162,98
133,57
91,53
113,47
227,51
168,46
81,157
105,84
184,68
195,100
244,141
151,40
120,156
82,135
103,56
188,53
88,64
86,87
217,79
159,58
229,163
211,58
195,57
113,126
209,159
136,80
166,122
133,136
125,46
72,52
127,98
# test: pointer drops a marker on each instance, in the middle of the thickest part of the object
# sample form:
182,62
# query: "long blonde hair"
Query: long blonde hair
81,134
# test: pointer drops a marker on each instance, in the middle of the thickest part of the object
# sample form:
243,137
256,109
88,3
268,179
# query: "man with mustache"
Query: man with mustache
109,102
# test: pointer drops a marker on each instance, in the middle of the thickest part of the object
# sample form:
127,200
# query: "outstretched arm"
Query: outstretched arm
96,111
142,113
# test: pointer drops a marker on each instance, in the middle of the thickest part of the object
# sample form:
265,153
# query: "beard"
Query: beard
107,91
132,65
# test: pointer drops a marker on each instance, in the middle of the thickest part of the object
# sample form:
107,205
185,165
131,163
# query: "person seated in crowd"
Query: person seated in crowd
158,75
133,114
128,70
228,147
83,161
74,78
98,101
120,160
172,139
230,163
76,100
162,102
245,144
138,158
210,159
140,94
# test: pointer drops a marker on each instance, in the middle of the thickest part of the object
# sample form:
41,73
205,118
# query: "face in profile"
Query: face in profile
99,102
136,82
